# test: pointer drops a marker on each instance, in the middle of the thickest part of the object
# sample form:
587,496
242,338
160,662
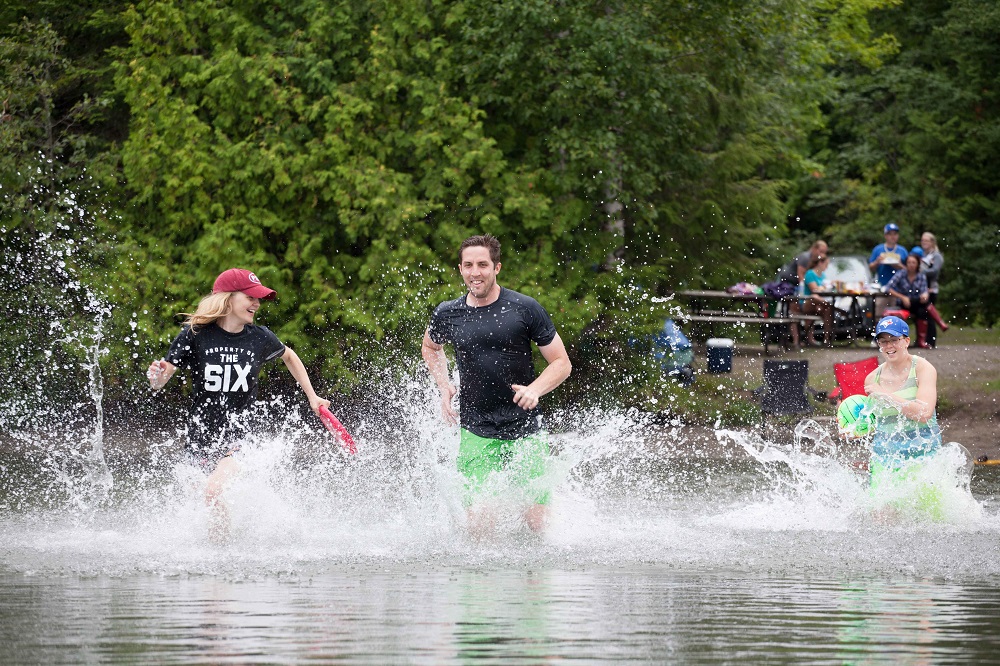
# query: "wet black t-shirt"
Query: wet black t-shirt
224,369
493,350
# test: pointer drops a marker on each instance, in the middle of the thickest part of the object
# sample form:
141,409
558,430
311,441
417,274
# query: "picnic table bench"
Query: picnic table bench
743,309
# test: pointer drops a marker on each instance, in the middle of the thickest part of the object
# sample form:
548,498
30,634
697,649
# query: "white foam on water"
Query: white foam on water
812,489
624,492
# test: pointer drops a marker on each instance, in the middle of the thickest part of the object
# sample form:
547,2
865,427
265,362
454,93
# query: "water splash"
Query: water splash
97,477
52,408
625,493
820,482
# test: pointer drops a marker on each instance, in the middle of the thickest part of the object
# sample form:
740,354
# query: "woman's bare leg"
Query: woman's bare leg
218,480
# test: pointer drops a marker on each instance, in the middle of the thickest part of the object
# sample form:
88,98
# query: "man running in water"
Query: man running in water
491,329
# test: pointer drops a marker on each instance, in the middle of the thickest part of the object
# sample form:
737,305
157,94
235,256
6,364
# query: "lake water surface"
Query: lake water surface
656,551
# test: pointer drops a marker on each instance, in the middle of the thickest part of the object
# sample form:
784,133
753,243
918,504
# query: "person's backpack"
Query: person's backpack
778,289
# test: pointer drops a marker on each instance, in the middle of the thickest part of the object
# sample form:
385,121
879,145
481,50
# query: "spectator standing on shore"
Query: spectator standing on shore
886,260
930,265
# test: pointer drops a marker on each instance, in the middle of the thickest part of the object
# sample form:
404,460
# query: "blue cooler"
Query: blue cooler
720,355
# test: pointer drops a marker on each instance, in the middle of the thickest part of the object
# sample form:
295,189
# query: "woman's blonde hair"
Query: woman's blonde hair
211,308
932,237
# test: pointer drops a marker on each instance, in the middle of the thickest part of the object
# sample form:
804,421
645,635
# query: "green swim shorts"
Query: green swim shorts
524,460
901,487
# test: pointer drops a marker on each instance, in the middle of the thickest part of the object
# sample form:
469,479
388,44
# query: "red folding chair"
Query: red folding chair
897,312
851,378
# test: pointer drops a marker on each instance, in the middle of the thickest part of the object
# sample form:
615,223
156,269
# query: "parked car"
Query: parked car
849,269
853,316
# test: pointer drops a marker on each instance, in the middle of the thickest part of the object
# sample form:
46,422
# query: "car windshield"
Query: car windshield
848,269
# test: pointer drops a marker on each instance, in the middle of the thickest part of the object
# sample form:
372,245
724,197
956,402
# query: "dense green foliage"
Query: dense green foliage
343,149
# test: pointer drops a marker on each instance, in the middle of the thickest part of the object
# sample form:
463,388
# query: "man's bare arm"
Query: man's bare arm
437,365
554,374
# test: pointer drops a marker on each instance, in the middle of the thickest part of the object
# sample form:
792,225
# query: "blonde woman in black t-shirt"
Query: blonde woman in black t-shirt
224,351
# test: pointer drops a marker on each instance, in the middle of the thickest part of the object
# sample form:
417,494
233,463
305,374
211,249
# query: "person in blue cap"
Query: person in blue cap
903,394
888,257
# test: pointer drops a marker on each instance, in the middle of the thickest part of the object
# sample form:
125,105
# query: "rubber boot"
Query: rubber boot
936,316
922,334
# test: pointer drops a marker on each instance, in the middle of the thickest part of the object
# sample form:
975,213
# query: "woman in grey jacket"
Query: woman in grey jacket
930,266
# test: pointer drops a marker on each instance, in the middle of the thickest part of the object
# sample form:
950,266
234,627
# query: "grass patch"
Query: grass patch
968,335
617,375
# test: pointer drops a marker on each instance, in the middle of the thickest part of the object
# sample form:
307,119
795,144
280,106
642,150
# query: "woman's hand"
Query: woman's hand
159,373
315,402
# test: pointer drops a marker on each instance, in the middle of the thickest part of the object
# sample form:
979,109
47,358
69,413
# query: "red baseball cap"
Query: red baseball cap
239,279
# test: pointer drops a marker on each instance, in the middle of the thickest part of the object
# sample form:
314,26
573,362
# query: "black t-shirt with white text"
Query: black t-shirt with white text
493,350
224,370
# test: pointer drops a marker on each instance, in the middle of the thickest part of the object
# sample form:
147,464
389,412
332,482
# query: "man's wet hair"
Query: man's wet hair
483,240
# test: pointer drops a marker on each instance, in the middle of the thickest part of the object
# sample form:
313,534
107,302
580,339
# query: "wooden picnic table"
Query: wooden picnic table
854,312
712,308
854,321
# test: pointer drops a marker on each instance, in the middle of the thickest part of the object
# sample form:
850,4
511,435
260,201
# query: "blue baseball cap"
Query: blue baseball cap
892,226
917,250
893,326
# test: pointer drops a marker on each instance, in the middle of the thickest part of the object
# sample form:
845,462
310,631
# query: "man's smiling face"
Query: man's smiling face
478,271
